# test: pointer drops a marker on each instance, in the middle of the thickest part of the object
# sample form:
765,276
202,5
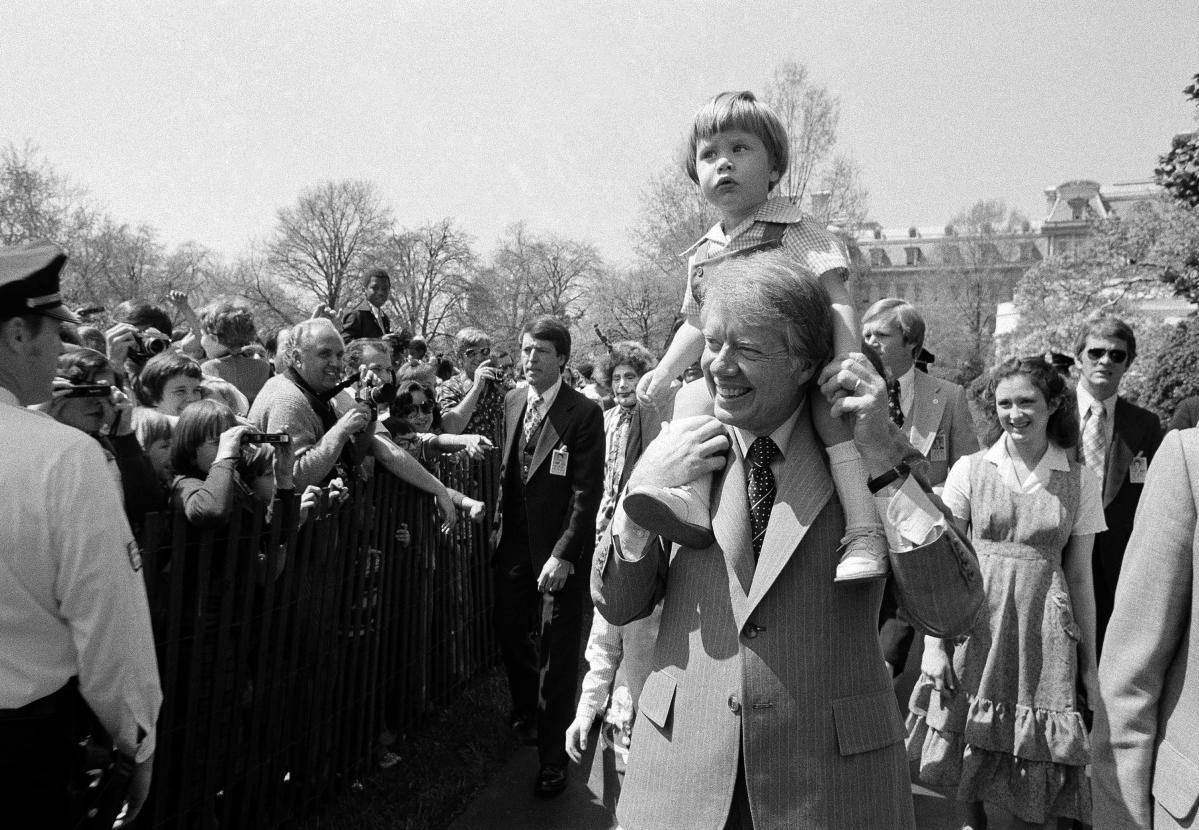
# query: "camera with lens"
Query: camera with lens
148,343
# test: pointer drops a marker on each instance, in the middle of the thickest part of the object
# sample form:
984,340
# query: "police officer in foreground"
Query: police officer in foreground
76,650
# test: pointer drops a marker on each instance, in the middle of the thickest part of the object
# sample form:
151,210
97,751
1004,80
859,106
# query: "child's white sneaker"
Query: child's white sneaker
865,556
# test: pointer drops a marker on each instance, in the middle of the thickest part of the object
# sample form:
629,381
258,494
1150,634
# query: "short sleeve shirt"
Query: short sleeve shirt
804,241
1089,518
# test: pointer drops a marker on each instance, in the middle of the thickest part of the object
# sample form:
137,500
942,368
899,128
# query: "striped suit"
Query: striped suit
770,668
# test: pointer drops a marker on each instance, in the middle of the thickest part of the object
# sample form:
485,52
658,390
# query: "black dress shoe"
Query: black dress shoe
551,780
525,730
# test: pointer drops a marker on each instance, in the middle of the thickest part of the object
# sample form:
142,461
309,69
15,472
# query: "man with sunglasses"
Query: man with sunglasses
473,399
1117,443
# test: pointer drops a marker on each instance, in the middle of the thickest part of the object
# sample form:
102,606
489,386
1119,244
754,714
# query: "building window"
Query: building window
915,256
1078,209
879,258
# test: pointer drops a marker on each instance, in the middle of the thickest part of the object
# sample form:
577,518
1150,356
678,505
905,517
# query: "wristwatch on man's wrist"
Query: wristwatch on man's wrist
895,475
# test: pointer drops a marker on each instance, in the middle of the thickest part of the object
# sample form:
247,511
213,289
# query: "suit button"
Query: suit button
752,630
734,705
698,272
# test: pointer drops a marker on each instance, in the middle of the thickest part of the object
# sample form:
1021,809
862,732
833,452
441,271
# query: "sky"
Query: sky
204,119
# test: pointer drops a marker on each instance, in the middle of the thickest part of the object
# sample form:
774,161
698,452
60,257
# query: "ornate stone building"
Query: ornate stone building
958,277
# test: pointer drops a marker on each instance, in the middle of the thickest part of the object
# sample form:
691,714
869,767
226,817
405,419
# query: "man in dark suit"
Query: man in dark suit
1118,442
768,705
368,319
551,480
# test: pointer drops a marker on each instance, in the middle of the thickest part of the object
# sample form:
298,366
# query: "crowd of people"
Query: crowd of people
765,520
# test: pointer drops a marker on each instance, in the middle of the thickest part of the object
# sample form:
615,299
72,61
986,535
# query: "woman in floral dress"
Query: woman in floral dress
996,718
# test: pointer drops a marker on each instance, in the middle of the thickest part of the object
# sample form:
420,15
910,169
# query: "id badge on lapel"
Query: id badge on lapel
1138,469
558,461
937,451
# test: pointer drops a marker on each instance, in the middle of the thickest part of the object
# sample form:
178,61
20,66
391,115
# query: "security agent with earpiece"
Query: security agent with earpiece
78,652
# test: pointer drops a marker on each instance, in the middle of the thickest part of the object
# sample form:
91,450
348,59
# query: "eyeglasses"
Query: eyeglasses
482,350
425,407
1096,354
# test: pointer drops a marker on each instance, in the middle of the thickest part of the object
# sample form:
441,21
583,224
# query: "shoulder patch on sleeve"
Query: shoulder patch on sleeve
135,555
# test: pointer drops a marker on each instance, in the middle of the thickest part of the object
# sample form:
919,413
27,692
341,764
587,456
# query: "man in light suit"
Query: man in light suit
933,414
1146,741
769,705
1119,439
551,480
367,318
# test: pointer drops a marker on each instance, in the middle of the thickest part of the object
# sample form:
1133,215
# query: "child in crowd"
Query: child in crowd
229,330
153,431
738,151
169,382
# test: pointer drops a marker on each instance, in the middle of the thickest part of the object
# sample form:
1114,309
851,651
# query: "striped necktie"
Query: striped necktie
761,488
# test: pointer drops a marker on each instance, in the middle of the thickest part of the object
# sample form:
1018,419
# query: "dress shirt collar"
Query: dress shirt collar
7,397
1084,403
547,398
1055,458
781,436
772,210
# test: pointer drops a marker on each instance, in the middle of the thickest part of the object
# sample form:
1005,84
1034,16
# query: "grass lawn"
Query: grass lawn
444,761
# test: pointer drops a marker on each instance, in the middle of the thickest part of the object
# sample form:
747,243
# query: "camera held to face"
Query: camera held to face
148,343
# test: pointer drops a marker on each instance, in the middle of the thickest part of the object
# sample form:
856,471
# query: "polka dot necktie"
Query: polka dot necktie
761,488
894,408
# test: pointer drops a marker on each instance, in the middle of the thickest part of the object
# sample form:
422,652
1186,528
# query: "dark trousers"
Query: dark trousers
539,641
37,754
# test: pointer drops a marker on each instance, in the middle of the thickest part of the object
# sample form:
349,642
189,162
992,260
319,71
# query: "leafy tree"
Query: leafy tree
635,304
531,275
323,242
673,214
36,202
1173,376
961,317
1178,170
431,269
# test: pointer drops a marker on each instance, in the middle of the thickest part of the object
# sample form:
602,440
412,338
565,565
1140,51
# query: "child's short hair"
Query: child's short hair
150,425
198,423
231,324
740,111
159,370
219,389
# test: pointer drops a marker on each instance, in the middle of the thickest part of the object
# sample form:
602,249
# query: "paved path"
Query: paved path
508,802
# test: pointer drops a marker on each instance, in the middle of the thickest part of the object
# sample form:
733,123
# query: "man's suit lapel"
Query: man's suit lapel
928,405
1119,459
803,488
513,408
730,526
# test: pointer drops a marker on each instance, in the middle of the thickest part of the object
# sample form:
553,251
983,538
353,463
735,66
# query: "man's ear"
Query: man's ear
15,334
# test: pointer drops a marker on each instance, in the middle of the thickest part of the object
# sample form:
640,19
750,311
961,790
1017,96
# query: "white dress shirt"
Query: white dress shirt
907,391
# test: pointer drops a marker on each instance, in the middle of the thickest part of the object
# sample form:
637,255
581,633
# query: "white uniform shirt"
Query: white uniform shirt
72,598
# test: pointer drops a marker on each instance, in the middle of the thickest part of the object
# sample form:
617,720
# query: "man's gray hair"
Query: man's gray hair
304,333
769,290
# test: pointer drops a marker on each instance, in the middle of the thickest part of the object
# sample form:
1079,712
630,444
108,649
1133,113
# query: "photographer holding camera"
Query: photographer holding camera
324,419
472,400
87,397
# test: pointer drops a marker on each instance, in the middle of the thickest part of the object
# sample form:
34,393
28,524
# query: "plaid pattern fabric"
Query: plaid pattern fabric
489,411
804,241
1094,440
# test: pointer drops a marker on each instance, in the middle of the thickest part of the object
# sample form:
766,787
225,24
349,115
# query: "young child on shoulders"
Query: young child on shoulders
737,153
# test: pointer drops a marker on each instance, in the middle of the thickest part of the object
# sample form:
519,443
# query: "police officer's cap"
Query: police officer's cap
29,281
